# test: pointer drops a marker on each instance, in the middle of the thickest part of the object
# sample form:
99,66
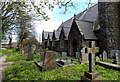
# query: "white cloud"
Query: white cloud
49,25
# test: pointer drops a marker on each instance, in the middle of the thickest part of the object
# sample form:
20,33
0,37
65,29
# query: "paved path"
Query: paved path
3,65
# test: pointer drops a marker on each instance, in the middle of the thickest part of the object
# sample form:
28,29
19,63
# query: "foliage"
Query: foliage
27,70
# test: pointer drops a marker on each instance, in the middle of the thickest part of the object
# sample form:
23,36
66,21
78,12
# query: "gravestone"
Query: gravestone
30,55
113,52
100,55
91,74
48,63
56,55
104,55
64,62
116,59
84,56
64,55
77,55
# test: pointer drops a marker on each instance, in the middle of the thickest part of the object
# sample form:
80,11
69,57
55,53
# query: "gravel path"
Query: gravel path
3,65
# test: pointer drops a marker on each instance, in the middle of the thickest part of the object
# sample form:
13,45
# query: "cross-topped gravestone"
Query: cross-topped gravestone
92,74
92,50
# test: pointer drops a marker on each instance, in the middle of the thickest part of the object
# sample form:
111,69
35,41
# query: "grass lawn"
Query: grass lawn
5,51
27,70
110,61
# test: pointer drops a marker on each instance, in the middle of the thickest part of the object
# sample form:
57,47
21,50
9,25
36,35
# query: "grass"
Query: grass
110,61
5,51
27,70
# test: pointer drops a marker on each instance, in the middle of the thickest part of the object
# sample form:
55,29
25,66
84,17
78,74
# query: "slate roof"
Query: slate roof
50,35
66,24
66,32
90,15
57,34
46,35
86,28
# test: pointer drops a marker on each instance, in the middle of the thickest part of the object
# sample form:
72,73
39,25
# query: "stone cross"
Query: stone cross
92,50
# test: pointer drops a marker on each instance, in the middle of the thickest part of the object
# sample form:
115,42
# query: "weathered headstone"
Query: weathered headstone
104,55
113,52
92,74
64,55
56,55
30,55
49,62
100,55
64,62
84,56
77,55
116,59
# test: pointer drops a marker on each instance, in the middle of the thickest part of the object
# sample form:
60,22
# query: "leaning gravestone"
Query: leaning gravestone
64,55
30,55
48,63
104,55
